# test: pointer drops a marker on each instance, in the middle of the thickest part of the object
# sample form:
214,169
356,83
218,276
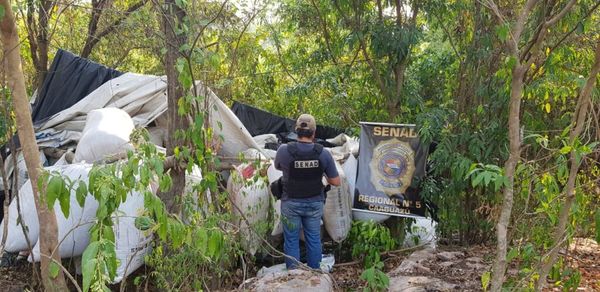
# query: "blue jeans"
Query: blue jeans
307,215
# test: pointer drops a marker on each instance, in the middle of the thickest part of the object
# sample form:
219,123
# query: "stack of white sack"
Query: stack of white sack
106,134
251,199
73,231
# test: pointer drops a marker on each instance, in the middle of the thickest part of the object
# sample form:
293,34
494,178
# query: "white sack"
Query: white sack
350,168
21,174
73,232
192,181
131,244
422,232
270,154
337,212
339,140
349,144
15,241
253,154
252,199
106,134
273,175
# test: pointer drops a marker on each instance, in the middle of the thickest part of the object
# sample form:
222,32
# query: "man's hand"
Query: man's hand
336,181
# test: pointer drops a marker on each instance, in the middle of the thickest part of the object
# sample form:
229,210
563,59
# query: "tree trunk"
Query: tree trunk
93,36
510,166
578,120
44,9
16,83
172,16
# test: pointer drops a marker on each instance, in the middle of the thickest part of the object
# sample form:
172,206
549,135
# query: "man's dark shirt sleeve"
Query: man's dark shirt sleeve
279,156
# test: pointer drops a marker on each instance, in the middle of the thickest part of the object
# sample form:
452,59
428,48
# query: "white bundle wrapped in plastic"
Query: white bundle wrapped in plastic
131,244
16,240
73,231
251,198
337,212
422,232
106,134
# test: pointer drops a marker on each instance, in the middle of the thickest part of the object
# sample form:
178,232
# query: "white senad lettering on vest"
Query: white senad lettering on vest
306,164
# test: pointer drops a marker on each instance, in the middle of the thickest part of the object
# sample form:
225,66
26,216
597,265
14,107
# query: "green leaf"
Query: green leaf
502,31
2,12
54,190
81,193
89,262
65,201
214,244
512,254
565,149
91,251
485,280
143,223
201,240
53,269
487,177
477,180
108,233
110,258
498,183
87,269
580,28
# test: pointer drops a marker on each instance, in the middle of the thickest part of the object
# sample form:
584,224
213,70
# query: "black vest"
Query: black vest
306,172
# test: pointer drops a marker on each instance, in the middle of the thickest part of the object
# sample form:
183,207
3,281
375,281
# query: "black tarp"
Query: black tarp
69,80
259,122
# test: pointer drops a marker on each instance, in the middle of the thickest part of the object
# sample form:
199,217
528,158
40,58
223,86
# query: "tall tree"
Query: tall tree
524,50
584,105
52,275
388,38
172,19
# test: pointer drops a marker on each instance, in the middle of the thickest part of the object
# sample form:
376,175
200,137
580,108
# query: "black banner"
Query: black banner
391,162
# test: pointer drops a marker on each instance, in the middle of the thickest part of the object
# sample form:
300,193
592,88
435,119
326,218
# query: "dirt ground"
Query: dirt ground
583,254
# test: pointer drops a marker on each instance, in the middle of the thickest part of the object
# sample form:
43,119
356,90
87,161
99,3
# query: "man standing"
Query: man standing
303,164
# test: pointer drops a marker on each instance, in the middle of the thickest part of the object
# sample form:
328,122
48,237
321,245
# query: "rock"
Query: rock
414,263
450,255
476,266
409,267
294,280
446,264
421,256
419,284
474,260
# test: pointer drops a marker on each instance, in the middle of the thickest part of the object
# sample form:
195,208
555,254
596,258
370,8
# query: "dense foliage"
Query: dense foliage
439,64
